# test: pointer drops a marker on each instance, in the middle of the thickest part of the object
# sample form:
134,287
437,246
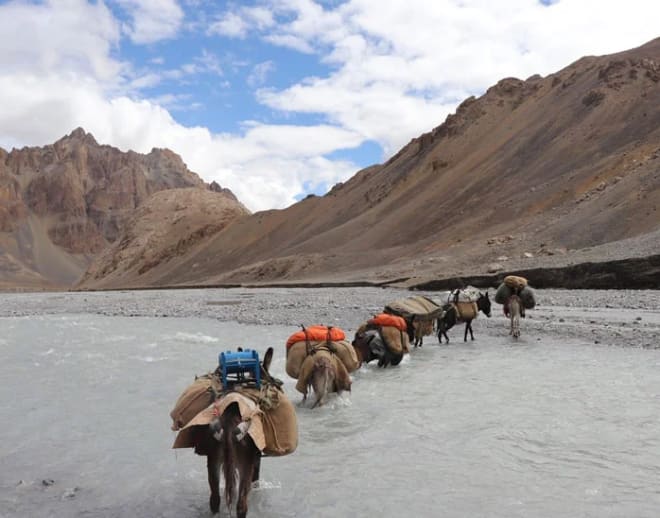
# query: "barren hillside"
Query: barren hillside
537,168
537,173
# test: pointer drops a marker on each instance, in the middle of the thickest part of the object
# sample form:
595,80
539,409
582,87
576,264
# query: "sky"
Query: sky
277,99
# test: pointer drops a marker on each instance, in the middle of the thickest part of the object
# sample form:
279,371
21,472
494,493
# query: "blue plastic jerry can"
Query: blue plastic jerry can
234,366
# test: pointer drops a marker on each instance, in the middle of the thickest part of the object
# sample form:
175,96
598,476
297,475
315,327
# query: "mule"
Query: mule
228,447
451,317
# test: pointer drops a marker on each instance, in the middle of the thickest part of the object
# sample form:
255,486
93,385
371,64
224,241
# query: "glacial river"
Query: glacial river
541,427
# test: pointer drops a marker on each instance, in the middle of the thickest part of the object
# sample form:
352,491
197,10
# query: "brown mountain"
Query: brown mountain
538,173
162,231
60,205
546,171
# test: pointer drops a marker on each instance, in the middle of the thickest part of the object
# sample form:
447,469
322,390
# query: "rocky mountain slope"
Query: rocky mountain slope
62,204
535,171
162,230
545,172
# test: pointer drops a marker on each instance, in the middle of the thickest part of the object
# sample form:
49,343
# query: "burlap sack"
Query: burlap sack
503,293
199,395
280,426
417,305
346,353
396,341
296,354
273,422
467,310
514,282
527,297
423,327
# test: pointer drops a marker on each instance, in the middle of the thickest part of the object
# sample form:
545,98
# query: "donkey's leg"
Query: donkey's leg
213,468
257,467
245,474
470,327
467,326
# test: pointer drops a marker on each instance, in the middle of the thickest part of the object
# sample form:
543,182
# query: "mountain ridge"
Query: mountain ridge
63,203
546,172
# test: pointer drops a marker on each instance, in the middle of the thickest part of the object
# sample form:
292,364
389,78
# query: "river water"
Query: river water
551,425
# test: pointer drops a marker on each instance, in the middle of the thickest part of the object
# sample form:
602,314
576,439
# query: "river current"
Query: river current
539,427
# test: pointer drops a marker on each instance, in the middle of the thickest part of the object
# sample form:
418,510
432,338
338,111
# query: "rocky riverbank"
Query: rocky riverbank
614,317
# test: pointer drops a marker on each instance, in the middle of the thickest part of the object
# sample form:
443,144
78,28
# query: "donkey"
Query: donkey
323,379
418,329
229,447
369,345
516,310
323,372
451,316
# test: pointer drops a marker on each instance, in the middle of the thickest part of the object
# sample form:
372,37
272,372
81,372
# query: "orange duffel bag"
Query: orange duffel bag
385,319
316,333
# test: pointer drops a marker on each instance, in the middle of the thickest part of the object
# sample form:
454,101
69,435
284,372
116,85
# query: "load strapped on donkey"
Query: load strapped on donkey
515,296
419,313
239,378
235,415
515,285
463,305
384,338
320,351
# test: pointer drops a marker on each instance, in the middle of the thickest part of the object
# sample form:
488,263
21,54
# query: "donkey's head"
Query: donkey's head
483,303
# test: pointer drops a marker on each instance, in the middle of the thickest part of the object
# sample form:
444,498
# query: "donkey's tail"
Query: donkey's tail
323,378
228,421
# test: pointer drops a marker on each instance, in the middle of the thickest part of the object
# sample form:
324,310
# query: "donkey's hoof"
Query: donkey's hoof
214,503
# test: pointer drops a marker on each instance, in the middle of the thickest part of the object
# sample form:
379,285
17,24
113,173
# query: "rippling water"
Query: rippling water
490,428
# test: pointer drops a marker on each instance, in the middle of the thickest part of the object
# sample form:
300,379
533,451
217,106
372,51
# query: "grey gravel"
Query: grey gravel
603,315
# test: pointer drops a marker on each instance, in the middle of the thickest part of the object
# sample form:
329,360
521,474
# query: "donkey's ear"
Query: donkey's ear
268,357
240,349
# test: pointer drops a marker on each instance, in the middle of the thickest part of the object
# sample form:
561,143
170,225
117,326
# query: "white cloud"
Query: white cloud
395,69
386,53
290,41
50,95
77,37
259,73
152,20
232,25
237,24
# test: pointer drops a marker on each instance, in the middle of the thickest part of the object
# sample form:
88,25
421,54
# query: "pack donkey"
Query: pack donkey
456,312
